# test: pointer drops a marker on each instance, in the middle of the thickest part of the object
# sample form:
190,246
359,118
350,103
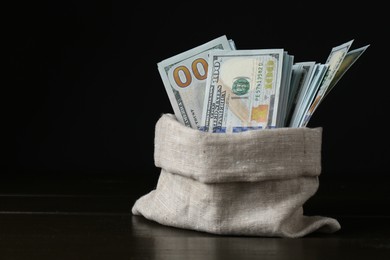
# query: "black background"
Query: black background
84,92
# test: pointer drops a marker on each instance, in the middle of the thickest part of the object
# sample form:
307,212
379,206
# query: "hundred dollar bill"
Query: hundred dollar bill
242,90
184,76
348,61
302,72
288,62
318,75
334,61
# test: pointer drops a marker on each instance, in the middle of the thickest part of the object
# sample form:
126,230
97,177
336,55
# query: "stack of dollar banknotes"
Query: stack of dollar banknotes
216,88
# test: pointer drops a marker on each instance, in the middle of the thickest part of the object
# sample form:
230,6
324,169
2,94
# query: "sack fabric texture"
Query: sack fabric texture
252,183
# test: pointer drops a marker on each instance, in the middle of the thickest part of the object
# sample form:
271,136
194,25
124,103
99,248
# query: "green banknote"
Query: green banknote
184,76
242,90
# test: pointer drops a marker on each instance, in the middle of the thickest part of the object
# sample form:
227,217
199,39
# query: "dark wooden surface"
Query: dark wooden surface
56,216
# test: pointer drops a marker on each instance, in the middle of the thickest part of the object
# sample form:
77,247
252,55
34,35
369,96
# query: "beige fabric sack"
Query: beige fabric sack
252,183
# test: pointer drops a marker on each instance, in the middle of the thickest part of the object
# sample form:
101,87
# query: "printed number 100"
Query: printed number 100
183,76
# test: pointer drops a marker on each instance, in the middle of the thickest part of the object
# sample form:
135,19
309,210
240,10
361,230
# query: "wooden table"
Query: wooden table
51,217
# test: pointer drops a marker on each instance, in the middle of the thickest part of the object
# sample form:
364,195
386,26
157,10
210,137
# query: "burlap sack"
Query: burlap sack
251,183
